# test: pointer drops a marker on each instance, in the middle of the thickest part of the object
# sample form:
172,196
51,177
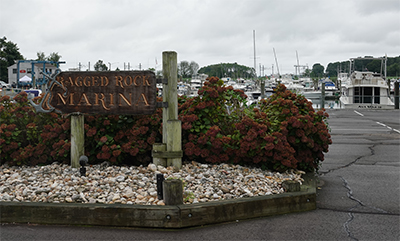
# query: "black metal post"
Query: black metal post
322,95
396,95
160,180
83,161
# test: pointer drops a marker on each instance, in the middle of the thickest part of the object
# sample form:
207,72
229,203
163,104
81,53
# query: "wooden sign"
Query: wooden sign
108,92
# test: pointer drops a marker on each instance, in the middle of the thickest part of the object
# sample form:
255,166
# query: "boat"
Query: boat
308,84
291,84
365,89
331,90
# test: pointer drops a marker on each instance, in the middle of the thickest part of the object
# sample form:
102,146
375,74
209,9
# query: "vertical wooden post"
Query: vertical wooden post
262,89
174,142
159,147
171,125
173,192
77,139
170,92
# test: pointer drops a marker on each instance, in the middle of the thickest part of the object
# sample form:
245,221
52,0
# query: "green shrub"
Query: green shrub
29,138
284,132
217,127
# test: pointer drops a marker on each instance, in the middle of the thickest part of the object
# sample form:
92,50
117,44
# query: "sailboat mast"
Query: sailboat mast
254,44
298,64
277,66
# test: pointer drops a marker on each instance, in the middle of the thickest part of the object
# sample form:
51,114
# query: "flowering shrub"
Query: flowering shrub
303,129
31,138
217,126
122,139
208,122
285,132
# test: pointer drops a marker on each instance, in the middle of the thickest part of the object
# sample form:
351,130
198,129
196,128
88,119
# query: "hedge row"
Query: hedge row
282,132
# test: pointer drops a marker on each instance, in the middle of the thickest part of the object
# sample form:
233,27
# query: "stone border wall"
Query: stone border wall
174,216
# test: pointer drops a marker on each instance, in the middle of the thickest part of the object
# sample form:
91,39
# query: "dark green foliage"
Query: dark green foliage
233,70
9,54
217,127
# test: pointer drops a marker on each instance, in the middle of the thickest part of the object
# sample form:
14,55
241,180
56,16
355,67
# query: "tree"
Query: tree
9,54
307,72
54,57
184,69
41,56
233,70
194,67
100,66
394,69
317,71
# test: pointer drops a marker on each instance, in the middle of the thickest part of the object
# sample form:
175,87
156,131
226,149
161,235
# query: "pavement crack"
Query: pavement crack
359,203
351,216
322,173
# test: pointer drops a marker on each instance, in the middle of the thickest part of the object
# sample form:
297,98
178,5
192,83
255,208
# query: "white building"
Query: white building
25,69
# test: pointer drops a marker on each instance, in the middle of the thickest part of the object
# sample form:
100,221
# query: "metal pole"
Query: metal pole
396,95
254,43
323,95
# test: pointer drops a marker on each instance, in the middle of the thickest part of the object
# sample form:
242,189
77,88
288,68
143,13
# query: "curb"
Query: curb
174,216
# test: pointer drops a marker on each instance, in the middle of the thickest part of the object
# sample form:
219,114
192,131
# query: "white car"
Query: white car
4,84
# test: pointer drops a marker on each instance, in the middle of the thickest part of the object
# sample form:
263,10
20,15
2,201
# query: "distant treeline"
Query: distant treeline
235,70
232,70
393,66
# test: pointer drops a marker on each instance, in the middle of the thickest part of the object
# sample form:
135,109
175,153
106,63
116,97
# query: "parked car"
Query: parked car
4,84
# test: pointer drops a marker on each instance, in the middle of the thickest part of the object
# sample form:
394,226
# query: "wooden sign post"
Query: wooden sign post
117,93
77,138
169,153
108,93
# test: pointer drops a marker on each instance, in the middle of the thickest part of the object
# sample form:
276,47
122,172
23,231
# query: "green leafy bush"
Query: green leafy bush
284,132
122,139
29,138
217,127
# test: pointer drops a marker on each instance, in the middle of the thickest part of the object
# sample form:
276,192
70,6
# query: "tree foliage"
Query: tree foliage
232,70
373,65
183,69
317,71
53,57
100,66
186,69
40,56
9,54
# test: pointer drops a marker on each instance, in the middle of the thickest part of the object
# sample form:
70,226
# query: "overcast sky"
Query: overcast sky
205,31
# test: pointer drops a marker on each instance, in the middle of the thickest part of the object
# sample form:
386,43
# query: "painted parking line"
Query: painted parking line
381,124
358,113
390,128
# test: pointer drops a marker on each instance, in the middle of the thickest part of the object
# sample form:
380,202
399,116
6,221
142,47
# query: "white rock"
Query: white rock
152,167
120,178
